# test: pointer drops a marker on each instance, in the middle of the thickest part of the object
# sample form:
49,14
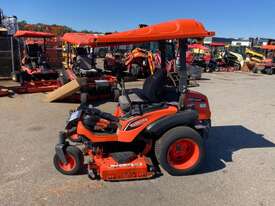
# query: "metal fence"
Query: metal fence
9,55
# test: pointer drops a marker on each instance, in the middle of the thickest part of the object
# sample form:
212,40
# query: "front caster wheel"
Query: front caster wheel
75,161
180,151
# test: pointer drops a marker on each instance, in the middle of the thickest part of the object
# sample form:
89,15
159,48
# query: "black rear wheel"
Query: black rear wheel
180,151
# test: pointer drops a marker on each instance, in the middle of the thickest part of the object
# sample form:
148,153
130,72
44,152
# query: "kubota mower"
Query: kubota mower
35,75
150,126
80,62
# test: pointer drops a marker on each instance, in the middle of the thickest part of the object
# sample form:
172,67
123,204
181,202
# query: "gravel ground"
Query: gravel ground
239,169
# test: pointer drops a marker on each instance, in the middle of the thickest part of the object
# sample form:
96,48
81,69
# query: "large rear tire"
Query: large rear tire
180,151
75,161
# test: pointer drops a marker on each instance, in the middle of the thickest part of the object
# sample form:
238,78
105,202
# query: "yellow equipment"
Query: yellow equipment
254,56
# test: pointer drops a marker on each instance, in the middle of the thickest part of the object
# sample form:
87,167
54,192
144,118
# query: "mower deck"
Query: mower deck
110,170
31,87
37,86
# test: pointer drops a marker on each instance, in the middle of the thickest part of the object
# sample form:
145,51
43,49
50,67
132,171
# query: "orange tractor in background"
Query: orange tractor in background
35,74
140,62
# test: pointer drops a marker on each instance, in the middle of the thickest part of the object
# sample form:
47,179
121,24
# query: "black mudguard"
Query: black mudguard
184,118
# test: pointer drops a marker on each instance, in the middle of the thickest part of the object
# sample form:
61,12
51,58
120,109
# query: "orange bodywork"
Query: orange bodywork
124,134
177,29
193,99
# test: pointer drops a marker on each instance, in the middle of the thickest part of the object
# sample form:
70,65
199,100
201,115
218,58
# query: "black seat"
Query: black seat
84,62
153,92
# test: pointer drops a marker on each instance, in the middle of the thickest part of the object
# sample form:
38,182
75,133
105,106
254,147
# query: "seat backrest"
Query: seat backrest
154,85
34,50
84,62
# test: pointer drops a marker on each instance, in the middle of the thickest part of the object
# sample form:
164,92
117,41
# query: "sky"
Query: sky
230,18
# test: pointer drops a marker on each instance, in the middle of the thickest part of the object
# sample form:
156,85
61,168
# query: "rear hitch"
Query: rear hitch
204,128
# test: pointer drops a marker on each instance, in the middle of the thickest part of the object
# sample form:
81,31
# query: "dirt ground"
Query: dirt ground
239,168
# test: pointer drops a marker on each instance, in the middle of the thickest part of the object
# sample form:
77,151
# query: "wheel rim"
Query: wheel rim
71,163
183,154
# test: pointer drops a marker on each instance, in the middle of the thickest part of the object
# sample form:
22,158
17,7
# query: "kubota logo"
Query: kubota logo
137,123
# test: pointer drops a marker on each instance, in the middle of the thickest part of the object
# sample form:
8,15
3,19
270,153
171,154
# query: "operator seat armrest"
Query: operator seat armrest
132,99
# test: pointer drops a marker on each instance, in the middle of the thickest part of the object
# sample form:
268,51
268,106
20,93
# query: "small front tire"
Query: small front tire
75,161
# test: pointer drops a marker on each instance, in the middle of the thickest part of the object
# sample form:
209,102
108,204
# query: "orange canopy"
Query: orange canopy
34,34
81,39
268,47
180,28
197,46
